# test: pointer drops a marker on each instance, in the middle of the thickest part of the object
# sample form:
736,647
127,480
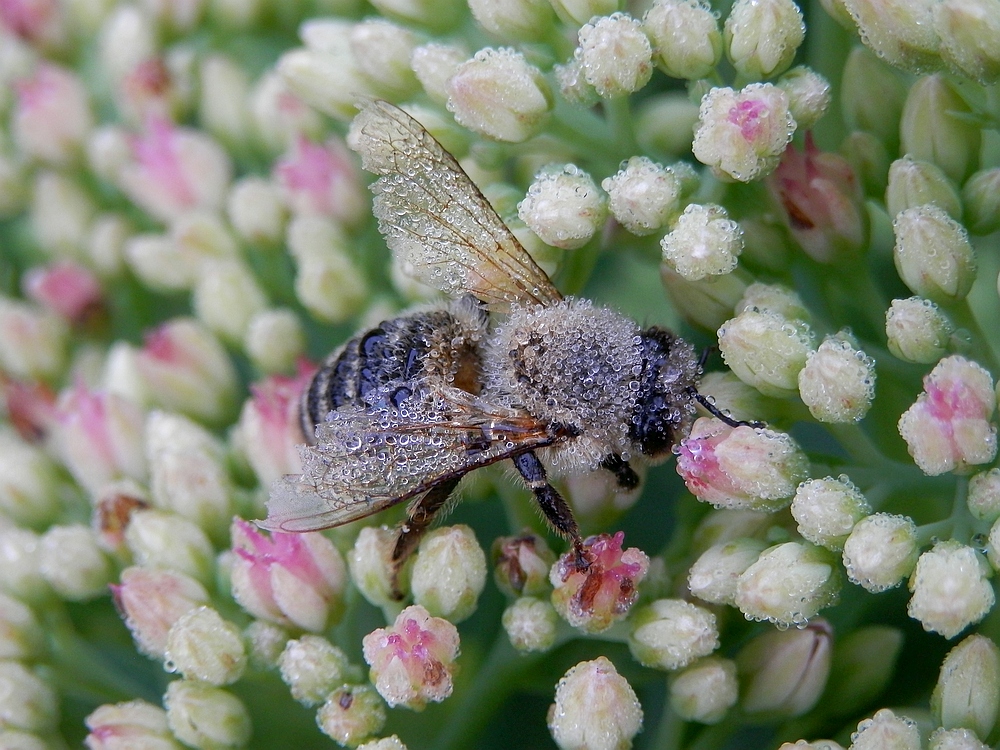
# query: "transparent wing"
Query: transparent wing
367,460
435,219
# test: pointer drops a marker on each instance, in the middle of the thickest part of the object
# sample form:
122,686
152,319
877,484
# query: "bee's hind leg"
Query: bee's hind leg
625,475
555,508
419,517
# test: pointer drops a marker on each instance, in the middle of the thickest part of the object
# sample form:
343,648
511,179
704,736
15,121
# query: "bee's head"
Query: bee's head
667,390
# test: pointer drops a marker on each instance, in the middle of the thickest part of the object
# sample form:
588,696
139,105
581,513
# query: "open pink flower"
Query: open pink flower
321,178
596,598
948,428
290,579
822,201
53,116
68,289
413,660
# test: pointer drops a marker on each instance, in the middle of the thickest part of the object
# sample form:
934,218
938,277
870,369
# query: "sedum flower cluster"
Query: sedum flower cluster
808,191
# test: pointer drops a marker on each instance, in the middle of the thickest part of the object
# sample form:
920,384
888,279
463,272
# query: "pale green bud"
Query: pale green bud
705,691
72,562
203,646
914,183
967,693
351,714
449,573
382,52
933,255
714,574
872,96
265,643
434,64
578,12
869,159
955,739
981,199
900,31
518,20
686,37
762,36
808,95
788,584
256,210
663,123
206,717
785,671
707,303
827,509
29,703
531,624
984,495
863,664
311,666
937,127
766,350
275,340
969,30
369,563
21,636
880,551
917,330
222,107
671,633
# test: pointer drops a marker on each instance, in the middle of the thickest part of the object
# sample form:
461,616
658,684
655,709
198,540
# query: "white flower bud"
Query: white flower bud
312,666
705,691
21,636
643,195
29,703
29,486
279,115
256,210
369,563
530,624
595,707
274,340
932,253
703,242
61,213
937,126
671,633
265,643
21,573
222,107
615,55
106,244
563,207
984,495
785,671
519,20
788,584
969,30
499,94
967,693
73,563
449,573
328,283
808,95
714,574
351,713
886,731
382,51
686,36
120,726
203,646
578,12
226,297
955,739
203,716
950,589
827,509
838,381
434,64
917,330
774,298
880,551
915,183
166,540
762,36
766,350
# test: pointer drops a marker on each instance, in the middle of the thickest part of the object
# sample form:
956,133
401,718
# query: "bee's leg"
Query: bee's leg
419,517
553,505
624,473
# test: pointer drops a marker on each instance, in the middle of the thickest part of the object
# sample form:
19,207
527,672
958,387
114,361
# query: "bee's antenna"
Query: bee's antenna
716,412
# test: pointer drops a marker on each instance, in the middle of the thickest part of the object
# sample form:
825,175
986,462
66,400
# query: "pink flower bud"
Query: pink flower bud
100,436
69,290
290,579
822,202
175,169
151,601
741,467
122,726
413,660
39,22
53,117
596,598
949,428
321,179
270,426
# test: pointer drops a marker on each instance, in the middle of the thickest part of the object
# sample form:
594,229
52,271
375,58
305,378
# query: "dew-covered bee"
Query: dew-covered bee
509,370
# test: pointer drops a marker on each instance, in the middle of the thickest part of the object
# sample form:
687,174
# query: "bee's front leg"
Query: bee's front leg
555,508
624,474
419,516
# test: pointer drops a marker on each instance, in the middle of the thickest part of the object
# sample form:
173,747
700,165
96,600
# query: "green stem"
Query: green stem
670,732
861,448
963,317
618,113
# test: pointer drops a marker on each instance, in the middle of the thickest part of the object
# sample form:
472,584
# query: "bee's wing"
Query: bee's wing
367,460
436,220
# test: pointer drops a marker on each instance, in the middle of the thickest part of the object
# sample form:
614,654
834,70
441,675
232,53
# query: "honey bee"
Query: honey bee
508,370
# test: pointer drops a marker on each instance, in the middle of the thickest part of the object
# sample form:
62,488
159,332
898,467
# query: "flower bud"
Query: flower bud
321,179
917,330
968,30
151,601
886,731
594,599
788,585
270,426
785,671
954,739
517,20
703,242
32,341
226,297
686,38
279,116
187,472
324,74
122,726
594,707
872,96
915,183
822,203
500,95
275,340
21,636
351,714
222,106
530,624
671,633
386,743
29,703
449,573
984,495
762,37
413,660
69,290
175,169
643,195
75,567
435,63
713,576
731,395
663,124
967,693
808,95
578,12
741,134
950,589
741,467
202,646
981,200
166,540
615,55
563,207
838,381
937,127
522,564
948,428
863,664
327,282
21,574
256,211
827,509
29,482
203,716
311,666
880,551
901,33
52,118
155,259
707,303
766,350
705,691
869,159
382,51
